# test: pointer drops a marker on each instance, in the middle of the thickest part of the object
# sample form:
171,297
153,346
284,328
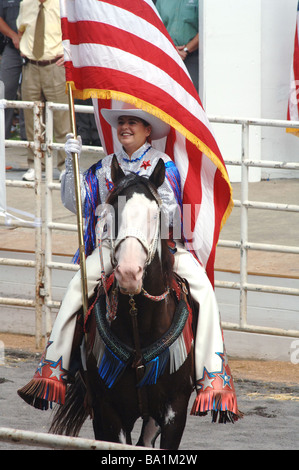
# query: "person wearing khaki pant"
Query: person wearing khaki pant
39,27
46,83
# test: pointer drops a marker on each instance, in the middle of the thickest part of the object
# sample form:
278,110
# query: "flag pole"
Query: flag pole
78,206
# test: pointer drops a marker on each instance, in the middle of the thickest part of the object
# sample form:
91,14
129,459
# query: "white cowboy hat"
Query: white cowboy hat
159,128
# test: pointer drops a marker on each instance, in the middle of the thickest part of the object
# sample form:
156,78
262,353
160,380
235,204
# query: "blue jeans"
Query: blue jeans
10,75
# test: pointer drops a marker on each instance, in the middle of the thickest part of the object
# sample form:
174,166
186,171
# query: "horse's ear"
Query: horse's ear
158,175
116,171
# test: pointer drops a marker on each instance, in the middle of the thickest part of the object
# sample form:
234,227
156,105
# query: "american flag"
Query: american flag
119,52
293,103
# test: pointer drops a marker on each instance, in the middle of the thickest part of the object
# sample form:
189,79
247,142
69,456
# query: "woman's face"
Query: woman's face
132,133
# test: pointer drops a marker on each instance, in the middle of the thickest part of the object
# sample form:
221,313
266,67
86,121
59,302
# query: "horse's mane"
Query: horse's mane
131,180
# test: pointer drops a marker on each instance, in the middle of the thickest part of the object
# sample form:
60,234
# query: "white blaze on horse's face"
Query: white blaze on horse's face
137,230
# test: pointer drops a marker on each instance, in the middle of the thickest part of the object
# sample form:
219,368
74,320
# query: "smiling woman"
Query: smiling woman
132,133
159,128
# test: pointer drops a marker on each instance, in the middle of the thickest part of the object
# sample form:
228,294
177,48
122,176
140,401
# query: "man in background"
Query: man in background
11,62
180,18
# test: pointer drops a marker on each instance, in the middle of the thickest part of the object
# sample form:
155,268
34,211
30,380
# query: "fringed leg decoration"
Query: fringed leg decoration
213,380
223,406
41,393
216,393
48,385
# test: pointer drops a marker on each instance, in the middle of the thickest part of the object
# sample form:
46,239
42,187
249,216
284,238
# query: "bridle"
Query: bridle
149,247
105,218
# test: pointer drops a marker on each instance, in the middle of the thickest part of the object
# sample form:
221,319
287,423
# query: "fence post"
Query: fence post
38,153
2,151
48,218
244,225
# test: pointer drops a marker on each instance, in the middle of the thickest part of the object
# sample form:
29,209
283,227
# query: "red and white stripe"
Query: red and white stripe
293,103
119,52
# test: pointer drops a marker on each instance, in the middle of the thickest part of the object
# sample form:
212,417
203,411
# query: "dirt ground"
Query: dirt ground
267,391
266,371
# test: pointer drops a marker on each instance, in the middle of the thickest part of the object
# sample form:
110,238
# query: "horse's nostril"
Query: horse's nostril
129,272
139,270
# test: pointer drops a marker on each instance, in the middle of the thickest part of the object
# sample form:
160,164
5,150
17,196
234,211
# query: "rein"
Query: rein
155,298
111,301
137,364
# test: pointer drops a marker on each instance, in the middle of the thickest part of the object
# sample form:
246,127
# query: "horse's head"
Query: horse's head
137,225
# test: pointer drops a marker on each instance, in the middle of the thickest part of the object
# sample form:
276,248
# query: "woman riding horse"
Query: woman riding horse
214,385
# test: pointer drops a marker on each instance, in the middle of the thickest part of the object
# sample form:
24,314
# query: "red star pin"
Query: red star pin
145,164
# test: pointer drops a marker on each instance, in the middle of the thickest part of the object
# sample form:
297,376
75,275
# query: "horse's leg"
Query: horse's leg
149,433
173,424
108,425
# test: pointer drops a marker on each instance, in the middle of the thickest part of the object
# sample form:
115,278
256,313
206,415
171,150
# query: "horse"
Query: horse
139,346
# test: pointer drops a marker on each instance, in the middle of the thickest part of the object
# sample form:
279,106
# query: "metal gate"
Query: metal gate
36,223
243,244
44,264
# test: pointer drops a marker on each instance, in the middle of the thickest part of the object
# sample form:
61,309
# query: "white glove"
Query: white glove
73,145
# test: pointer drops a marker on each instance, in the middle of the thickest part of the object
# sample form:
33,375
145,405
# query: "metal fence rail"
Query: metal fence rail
44,263
53,441
244,245
243,286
